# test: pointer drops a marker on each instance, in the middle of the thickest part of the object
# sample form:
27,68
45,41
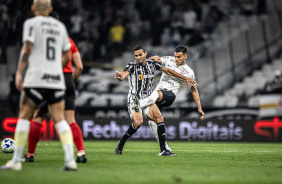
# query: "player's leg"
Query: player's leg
56,109
154,129
137,123
70,118
155,115
35,131
166,99
77,136
27,108
155,96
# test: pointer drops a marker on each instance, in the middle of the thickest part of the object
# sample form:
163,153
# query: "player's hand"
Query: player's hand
201,112
19,82
191,82
155,58
118,75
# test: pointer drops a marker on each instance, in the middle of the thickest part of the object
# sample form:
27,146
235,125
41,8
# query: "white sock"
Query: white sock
149,100
154,129
21,135
66,138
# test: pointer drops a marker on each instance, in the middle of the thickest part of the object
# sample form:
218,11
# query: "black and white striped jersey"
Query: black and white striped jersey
141,78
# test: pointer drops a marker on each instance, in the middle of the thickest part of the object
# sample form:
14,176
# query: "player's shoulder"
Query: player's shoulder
56,21
187,68
32,20
149,61
132,62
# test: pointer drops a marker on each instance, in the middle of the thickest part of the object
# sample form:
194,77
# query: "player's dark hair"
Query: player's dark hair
181,48
138,47
55,15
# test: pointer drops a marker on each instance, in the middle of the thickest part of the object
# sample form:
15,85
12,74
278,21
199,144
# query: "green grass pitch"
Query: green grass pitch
195,162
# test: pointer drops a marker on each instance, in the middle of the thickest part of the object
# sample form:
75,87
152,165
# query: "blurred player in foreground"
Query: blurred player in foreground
46,51
70,80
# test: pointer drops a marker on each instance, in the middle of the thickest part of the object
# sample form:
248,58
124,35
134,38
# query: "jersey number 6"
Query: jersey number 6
50,53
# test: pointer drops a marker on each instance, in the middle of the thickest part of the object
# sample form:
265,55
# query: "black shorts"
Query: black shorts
69,95
39,95
167,100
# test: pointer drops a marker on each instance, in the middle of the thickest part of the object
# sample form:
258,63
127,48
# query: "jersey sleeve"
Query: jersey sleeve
190,74
28,31
73,46
66,44
129,68
158,66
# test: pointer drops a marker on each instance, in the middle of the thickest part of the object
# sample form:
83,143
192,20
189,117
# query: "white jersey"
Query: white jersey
172,83
49,37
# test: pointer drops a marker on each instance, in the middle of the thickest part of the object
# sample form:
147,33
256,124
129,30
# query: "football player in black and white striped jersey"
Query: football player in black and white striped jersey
140,75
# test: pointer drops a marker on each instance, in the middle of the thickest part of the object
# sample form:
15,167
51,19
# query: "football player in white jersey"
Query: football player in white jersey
46,50
166,91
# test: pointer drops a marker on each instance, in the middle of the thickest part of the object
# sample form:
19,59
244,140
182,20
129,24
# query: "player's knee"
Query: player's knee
25,115
138,123
159,119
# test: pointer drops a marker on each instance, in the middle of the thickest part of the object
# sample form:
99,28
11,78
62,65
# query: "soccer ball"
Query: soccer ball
8,145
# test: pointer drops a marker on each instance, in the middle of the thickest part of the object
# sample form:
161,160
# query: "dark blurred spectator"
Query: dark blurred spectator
14,96
156,28
177,24
165,12
144,9
76,20
235,7
189,20
134,26
3,32
195,39
261,7
213,17
176,38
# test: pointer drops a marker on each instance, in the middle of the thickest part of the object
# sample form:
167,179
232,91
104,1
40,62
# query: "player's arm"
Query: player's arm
24,56
78,66
121,76
65,58
156,58
197,100
189,81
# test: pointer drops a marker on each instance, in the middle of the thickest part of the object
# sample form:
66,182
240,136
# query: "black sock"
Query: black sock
162,135
130,131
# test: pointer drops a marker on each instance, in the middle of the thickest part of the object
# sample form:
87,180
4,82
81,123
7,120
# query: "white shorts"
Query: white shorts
130,106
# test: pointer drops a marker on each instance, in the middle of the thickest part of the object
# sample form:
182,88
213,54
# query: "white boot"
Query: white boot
12,166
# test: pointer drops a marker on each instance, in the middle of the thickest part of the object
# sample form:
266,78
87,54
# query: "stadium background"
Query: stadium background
234,50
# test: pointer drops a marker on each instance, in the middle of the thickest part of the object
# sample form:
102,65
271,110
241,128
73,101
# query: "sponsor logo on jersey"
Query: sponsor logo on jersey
47,76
